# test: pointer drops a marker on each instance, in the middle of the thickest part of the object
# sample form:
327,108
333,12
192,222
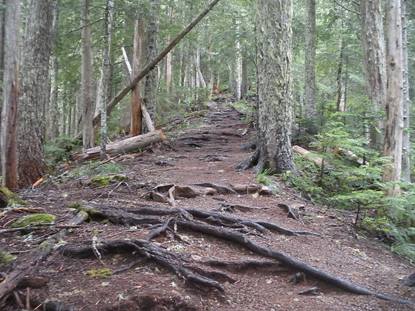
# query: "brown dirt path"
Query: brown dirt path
209,153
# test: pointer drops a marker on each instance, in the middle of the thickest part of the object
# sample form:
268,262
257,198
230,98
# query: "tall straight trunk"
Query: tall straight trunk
104,81
136,113
238,62
86,77
406,143
2,18
169,71
340,102
150,88
275,107
52,129
244,86
199,75
8,139
373,40
35,92
310,64
394,98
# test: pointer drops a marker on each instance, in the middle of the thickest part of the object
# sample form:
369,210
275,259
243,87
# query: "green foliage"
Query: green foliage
245,108
106,180
351,178
33,220
92,168
102,273
6,258
60,149
264,178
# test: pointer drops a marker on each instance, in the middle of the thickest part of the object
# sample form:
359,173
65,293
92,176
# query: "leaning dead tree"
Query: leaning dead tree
121,94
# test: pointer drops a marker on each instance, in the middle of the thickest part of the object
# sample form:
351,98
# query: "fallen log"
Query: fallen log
123,146
308,155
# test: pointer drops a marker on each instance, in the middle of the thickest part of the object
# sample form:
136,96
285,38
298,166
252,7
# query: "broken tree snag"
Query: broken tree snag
308,155
171,261
123,146
121,94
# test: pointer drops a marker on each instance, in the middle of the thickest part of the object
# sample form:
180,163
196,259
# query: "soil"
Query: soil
207,152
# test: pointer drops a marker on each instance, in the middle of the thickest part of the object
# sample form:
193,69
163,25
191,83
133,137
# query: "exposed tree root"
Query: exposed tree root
129,217
250,162
18,276
230,208
161,256
244,265
242,240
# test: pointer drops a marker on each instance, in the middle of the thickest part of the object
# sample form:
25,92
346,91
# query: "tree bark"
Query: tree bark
35,92
310,66
124,146
238,62
406,143
8,139
274,54
86,77
394,98
374,61
105,79
2,20
52,129
150,86
136,113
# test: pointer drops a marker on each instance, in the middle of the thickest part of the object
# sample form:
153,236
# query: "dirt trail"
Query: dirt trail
209,153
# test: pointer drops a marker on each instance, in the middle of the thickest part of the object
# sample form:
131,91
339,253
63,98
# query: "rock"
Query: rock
33,220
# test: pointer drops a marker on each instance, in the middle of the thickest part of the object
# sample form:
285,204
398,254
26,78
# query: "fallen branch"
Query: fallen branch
308,155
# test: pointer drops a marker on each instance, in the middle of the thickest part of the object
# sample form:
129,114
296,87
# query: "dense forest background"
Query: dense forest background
335,114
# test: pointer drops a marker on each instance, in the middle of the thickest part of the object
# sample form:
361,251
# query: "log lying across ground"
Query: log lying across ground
223,227
123,146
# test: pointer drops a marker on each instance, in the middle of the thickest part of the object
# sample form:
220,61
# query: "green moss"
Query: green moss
75,205
6,258
11,197
102,273
33,220
106,180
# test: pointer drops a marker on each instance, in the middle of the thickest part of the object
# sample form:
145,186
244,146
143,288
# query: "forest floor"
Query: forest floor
205,153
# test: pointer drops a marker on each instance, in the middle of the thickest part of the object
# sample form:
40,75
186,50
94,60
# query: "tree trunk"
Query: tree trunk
406,143
86,77
52,129
35,91
274,55
374,60
8,139
340,102
394,116
104,81
310,66
238,62
130,144
136,113
150,88
2,20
